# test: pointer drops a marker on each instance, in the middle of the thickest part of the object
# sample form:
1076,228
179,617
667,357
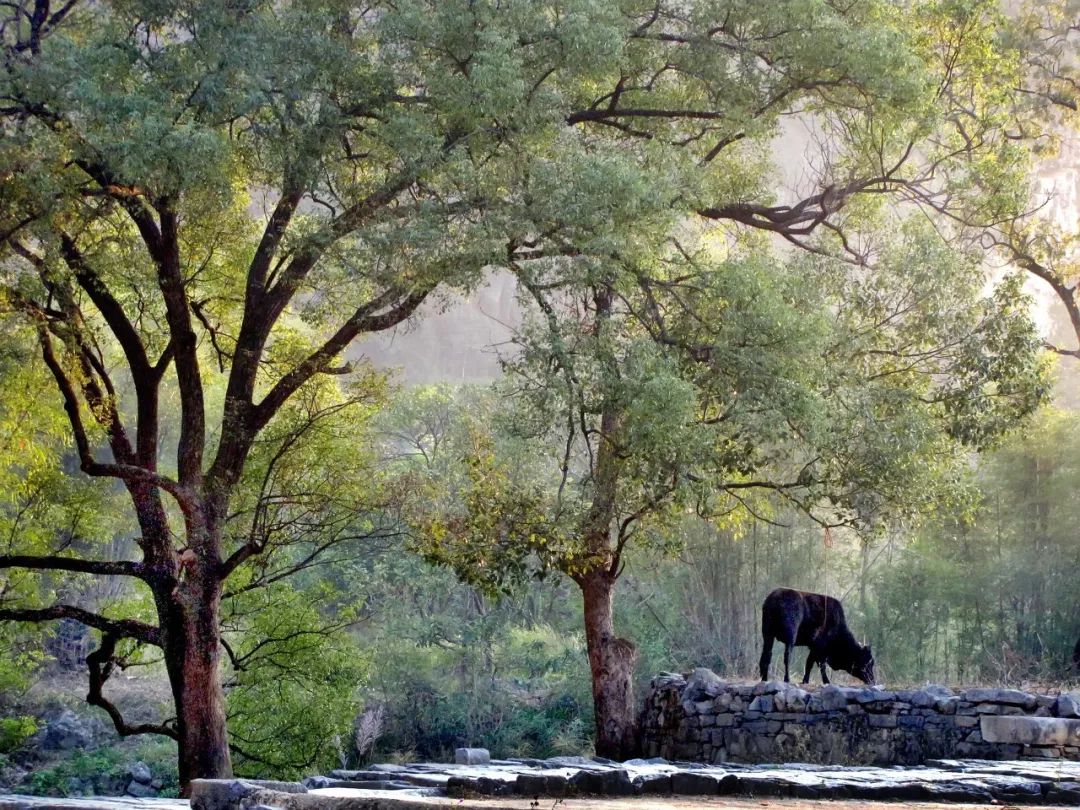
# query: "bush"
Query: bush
14,731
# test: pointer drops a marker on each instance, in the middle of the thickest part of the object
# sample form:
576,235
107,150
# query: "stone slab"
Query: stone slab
1030,730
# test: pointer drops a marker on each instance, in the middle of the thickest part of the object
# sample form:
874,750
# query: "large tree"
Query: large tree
726,389
210,202
673,366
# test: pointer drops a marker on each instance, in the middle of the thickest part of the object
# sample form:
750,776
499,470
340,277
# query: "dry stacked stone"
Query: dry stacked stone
701,718
70,644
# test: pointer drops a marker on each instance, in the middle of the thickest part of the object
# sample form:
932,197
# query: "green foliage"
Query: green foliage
297,683
105,766
104,771
14,731
990,595
514,702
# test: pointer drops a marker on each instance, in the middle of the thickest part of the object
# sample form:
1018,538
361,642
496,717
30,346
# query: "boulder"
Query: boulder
66,732
472,756
703,683
694,784
140,790
528,784
1066,706
832,698
762,703
791,699
769,687
609,782
140,772
226,794
928,696
872,694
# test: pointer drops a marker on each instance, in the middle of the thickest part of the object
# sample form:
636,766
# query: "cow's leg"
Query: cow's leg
824,674
766,657
788,647
810,658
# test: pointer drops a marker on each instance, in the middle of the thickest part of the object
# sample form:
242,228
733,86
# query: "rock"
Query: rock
928,696
958,792
572,762
703,683
612,782
832,698
140,790
1008,697
1066,706
140,772
1015,790
769,687
947,705
762,703
1064,793
528,784
67,732
791,699
654,783
872,694
226,794
694,784
1030,730
472,756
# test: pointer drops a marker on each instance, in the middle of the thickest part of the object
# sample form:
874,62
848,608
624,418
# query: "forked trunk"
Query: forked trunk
192,657
611,663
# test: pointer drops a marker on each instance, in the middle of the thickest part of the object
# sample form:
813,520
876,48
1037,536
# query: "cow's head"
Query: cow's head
863,666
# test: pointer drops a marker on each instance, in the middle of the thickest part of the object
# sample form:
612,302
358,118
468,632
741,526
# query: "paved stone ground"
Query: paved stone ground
1055,782
563,783
394,802
17,802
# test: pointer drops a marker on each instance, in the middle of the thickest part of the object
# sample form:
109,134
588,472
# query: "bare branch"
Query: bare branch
101,664
384,311
123,568
127,628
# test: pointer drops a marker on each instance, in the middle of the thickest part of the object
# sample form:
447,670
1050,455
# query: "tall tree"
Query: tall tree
725,389
203,197
670,372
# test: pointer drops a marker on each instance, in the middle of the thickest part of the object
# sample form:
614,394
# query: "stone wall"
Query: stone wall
701,718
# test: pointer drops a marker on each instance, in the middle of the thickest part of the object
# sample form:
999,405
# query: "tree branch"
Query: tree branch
121,568
101,663
396,307
127,628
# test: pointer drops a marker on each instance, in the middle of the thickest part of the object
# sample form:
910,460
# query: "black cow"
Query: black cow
813,620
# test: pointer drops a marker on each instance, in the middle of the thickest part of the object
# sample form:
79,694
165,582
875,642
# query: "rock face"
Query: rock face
67,731
702,718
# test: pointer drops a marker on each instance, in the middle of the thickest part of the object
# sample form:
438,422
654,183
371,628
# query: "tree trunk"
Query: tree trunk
192,657
611,663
